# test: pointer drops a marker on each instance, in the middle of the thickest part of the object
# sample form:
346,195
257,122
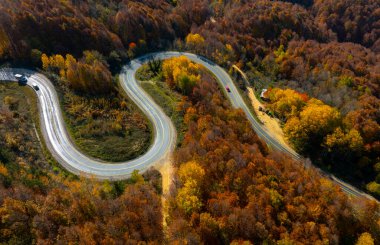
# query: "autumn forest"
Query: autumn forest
319,61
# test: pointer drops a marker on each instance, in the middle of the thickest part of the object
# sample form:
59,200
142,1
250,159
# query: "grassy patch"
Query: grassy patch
168,100
144,73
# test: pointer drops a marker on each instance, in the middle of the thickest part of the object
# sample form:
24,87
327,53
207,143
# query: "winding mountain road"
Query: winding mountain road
64,151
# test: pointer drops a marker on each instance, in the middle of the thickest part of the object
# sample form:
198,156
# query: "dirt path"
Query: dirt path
272,125
166,170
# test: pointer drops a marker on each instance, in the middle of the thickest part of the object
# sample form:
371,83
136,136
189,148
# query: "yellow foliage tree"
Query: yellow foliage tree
365,239
70,61
181,73
90,74
71,68
194,40
188,197
57,61
373,187
45,62
286,103
351,140
191,175
191,170
316,120
280,53
3,169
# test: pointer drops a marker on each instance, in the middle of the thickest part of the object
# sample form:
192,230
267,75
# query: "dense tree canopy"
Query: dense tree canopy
228,188
352,21
321,132
346,77
113,28
52,26
322,57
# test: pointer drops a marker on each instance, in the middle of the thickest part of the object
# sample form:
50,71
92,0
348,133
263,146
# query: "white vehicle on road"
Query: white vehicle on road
21,78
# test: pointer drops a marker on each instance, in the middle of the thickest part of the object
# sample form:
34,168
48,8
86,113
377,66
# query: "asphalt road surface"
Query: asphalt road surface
63,149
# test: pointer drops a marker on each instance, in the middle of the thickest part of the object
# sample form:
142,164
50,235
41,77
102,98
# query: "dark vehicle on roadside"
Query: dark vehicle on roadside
228,89
35,86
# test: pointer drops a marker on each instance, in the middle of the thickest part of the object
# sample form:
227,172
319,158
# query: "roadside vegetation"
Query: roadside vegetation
169,101
167,82
229,188
102,121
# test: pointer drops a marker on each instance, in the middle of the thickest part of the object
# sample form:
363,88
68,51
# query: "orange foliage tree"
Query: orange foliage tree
89,75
